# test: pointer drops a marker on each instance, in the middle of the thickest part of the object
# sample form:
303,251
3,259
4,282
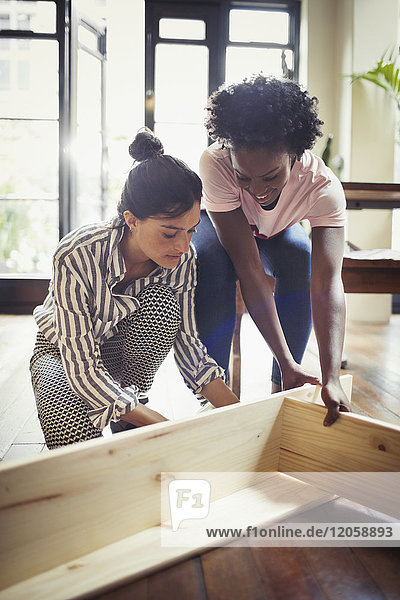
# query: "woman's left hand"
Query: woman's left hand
335,401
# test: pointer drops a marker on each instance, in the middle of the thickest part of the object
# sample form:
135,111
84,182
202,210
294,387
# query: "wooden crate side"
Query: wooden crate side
353,443
78,499
312,393
139,555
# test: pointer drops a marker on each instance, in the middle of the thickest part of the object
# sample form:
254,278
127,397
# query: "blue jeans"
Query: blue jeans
286,257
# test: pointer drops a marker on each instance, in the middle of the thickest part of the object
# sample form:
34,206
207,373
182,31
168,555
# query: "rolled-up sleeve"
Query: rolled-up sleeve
80,352
196,367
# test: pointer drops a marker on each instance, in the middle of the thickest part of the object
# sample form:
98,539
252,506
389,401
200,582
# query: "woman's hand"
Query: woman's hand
141,415
295,376
332,393
335,401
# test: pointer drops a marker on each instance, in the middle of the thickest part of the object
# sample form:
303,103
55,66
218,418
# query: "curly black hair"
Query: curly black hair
264,111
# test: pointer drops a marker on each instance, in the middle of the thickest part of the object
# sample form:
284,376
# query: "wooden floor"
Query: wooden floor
274,574
373,358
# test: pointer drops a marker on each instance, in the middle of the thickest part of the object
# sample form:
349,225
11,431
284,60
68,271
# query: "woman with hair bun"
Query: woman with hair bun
260,180
121,296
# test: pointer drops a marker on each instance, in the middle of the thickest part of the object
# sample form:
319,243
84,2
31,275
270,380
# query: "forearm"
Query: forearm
260,303
329,317
218,393
141,415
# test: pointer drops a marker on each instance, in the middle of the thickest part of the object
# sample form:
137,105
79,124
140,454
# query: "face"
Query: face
161,239
261,171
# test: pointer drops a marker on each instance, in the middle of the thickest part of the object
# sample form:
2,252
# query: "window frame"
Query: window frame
20,293
216,16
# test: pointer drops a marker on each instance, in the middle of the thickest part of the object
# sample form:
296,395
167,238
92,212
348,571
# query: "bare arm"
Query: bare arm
218,393
141,415
328,309
237,238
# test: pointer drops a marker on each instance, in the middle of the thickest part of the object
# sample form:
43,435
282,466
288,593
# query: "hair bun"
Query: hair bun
145,145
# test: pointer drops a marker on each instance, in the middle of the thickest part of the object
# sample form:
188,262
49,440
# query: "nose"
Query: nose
258,188
182,243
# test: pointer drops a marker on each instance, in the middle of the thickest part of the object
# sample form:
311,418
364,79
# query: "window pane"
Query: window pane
185,141
89,91
28,235
258,26
181,83
38,99
5,74
243,62
29,159
39,17
88,38
88,163
182,29
88,143
4,24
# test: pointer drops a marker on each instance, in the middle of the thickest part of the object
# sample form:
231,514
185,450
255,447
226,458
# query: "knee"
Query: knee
159,303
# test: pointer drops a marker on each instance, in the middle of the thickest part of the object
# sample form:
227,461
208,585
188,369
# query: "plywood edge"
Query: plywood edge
138,555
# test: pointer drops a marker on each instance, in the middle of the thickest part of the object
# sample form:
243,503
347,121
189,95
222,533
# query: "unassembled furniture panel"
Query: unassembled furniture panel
84,518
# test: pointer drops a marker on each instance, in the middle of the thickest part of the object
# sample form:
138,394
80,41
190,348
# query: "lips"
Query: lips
265,199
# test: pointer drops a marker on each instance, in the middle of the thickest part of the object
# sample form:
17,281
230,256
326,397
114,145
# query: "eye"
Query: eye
269,178
242,178
169,237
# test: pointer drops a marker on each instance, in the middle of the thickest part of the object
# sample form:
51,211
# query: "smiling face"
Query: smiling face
261,171
160,239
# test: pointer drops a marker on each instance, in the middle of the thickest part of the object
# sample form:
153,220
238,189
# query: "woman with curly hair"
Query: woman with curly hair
260,180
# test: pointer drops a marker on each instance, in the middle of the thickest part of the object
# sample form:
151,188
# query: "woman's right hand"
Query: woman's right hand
141,416
294,376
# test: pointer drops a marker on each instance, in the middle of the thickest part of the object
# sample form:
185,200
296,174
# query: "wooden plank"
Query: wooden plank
184,580
49,505
353,582
231,573
372,195
139,554
286,574
353,443
378,491
359,279
383,566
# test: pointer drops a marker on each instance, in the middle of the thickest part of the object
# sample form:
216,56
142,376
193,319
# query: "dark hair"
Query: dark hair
264,111
157,183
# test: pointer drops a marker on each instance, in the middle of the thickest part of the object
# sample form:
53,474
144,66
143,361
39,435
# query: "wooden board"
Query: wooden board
138,555
354,443
84,517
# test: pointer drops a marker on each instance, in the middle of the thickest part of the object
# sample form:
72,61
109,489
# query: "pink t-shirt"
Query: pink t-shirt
313,192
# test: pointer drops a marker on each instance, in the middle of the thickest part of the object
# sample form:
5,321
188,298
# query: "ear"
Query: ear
130,219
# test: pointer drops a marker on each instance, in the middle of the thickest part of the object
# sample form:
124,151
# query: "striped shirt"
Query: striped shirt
81,312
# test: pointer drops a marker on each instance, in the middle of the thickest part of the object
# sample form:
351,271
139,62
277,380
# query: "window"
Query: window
52,175
194,48
29,129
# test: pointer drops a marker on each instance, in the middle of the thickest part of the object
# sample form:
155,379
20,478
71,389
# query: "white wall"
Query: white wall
346,36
